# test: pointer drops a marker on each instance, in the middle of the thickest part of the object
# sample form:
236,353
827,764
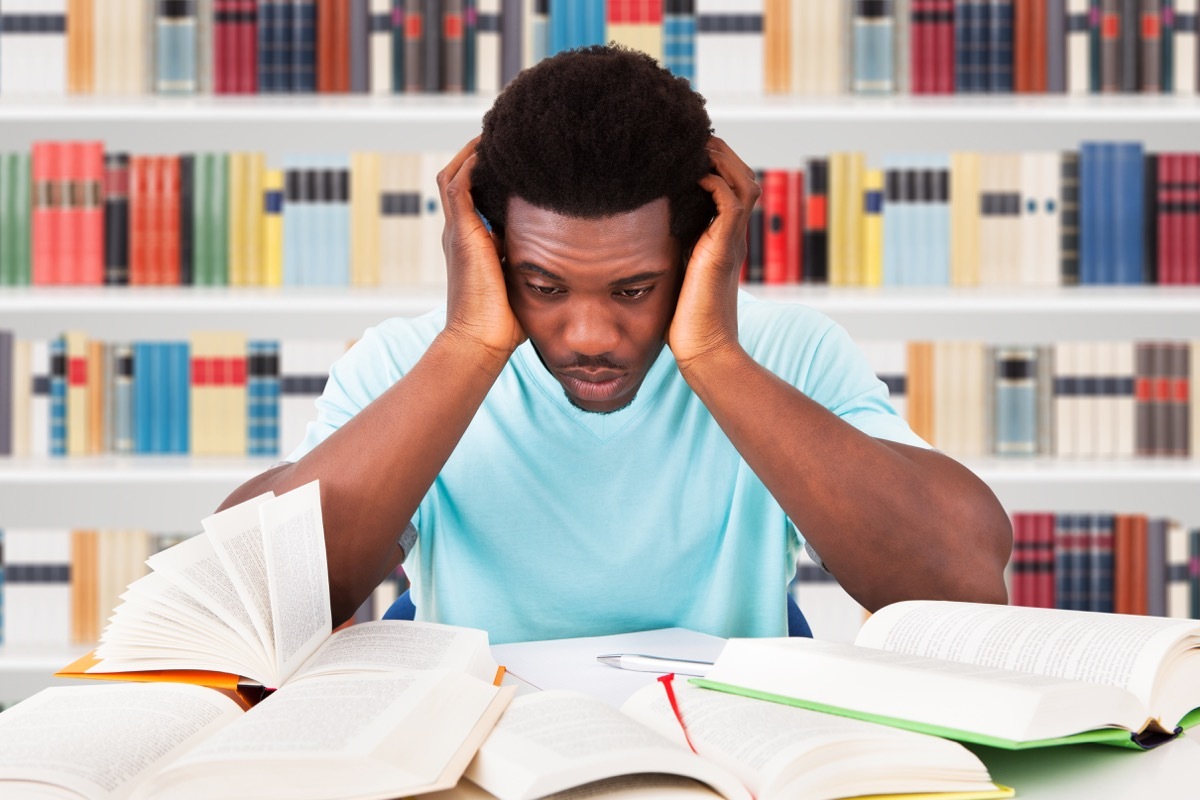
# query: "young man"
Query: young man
567,474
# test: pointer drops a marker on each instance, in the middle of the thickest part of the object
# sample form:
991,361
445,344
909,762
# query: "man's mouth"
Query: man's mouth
594,385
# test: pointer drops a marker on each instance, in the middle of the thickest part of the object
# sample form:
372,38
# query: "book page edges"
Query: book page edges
998,793
1119,737
197,677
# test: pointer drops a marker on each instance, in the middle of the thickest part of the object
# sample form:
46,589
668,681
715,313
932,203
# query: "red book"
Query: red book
325,30
1045,562
90,233
155,272
920,50
1189,173
1123,565
50,195
224,56
1021,588
944,47
794,226
1138,568
1169,231
341,46
168,220
775,207
247,48
70,220
139,220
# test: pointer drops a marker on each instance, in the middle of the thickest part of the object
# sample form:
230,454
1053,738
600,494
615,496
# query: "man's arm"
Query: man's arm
891,521
376,468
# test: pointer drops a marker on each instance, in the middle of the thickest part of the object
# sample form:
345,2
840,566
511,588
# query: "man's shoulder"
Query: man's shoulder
404,337
772,321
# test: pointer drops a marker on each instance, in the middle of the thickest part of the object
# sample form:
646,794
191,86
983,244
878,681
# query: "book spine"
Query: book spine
359,46
175,47
6,393
272,235
1184,47
489,50
44,214
325,46
1056,49
920,47
414,45
123,405
169,175
679,37
816,221
262,397
381,46
1023,44
58,397
774,214
1150,45
1178,393
304,47
1150,218
116,219
218,214
432,45
452,67
512,40
1016,401
874,59
90,198
399,35
248,47
71,209
872,227
186,220
1128,42
269,79
794,227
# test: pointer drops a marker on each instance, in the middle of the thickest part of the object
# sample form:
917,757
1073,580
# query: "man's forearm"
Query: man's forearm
892,522
377,467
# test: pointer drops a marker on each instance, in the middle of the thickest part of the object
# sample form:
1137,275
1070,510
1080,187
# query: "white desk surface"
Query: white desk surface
1053,773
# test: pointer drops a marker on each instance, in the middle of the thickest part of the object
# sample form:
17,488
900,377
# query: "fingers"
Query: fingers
454,181
736,175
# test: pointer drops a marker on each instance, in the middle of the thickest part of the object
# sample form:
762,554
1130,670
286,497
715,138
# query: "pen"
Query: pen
643,663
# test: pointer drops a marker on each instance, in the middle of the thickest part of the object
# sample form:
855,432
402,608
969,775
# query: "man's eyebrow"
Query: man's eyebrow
640,277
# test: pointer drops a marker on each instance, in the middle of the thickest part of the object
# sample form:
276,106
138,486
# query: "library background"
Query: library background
204,202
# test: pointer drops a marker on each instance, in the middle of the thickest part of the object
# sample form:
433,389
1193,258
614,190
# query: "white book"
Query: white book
37,586
303,365
728,61
902,17
1066,374
1179,589
974,406
1184,51
1087,404
831,27
381,49
488,41
204,47
33,48
391,224
1106,400
103,53
1040,234
39,402
1011,236
1079,50
1125,404
21,401
432,265
947,383
131,63
991,224
409,176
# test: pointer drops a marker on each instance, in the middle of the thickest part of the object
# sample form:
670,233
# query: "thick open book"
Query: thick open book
561,741
995,675
379,709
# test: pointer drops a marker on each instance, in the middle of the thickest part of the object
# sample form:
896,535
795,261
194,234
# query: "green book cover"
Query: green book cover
219,203
20,166
7,232
201,222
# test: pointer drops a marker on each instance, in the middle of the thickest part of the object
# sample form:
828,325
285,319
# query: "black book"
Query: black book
816,222
187,231
116,219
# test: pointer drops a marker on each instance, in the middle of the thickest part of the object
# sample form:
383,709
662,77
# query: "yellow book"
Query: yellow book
964,219
846,172
255,165
233,395
837,219
97,388
872,227
272,227
364,219
777,46
205,348
238,219
77,393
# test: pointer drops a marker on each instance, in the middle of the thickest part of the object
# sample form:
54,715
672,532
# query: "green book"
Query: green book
219,208
7,227
202,273
21,179
1008,677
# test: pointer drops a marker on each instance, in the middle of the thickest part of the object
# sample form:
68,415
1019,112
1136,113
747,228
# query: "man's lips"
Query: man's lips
595,385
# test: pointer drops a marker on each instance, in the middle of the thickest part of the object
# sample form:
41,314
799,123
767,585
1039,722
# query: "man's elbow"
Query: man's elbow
979,577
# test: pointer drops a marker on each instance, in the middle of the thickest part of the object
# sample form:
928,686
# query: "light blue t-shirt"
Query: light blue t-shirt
548,521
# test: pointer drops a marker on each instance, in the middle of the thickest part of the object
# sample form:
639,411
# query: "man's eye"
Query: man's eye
544,290
634,294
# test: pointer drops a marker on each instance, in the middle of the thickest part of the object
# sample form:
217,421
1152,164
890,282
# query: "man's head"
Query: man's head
588,171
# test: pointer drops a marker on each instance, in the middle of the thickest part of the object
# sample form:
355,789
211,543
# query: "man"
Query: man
567,474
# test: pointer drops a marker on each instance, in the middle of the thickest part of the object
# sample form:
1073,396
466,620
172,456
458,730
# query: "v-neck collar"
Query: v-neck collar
603,426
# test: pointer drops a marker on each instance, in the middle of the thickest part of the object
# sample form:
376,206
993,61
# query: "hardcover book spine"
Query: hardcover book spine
1023,45
816,221
1079,46
399,35
755,244
432,45
175,46
186,220
774,211
248,47
218,199
1000,47
326,28
381,46
81,37
58,397
512,40
1184,47
414,46
1151,46
273,228
270,18
7,406
359,44
452,68
1055,51
1156,567
202,270
794,227
491,52
776,39
1128,42
90,199
1016,401
116,219
45,216
874,58
729,46
470,57
679,37
262,398
304,47
169,220
225,13
1128,216
1150,216
872,227
1177,392
1110,46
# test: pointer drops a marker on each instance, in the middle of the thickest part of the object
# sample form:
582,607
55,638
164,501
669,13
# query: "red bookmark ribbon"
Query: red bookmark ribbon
665,680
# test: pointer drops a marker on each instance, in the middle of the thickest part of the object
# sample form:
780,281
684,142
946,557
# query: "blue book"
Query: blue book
937,245
1089,196
1015,401
873,43
1129,222
1103,532
269,76
296,244
262,398
175,47
123,403
337,212
58,396
1000,47
679,38
143,393
179,358
967,47
304,47
160,408
893,221
540,31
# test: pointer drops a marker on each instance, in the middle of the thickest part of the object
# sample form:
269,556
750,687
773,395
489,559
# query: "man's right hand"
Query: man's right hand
477,309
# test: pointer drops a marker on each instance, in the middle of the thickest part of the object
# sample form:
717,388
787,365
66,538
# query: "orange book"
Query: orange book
50,189
139,221
155,273
70,232
1023,13
777,46
96,396
1123,564
85,621
1139,590
326,10
168,219
341,46
80,46
920,390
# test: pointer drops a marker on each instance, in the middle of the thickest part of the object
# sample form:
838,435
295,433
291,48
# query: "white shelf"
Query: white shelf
160,493
1009,315
767,131
26,669
173,493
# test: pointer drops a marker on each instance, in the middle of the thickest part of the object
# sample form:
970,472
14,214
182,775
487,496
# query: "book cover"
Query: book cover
175,48
358,44
452,76
729,47
380,36
816,221
873,41
262,398
116,219
33,47
639,24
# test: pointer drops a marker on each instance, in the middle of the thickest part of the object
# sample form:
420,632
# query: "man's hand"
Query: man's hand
477,308
705,318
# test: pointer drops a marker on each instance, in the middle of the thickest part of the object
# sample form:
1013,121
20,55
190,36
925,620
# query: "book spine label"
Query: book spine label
874,59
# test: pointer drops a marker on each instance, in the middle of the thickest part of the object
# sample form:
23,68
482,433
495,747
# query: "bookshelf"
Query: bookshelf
173,493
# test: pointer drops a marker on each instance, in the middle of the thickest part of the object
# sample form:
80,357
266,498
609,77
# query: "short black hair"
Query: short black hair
593,132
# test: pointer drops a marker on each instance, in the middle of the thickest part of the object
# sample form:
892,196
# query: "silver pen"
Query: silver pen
643,663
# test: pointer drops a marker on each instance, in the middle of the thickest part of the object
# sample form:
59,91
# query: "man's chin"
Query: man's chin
624,403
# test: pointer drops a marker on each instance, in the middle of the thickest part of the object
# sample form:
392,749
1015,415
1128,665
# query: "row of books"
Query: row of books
1068,400
1122,563
1109,213
60,586
456,46
215,394
1093,561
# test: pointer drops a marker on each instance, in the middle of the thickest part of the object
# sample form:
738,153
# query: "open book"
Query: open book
375,710
561,741
995,675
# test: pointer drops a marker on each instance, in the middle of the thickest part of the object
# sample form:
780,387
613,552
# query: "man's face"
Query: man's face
595,296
